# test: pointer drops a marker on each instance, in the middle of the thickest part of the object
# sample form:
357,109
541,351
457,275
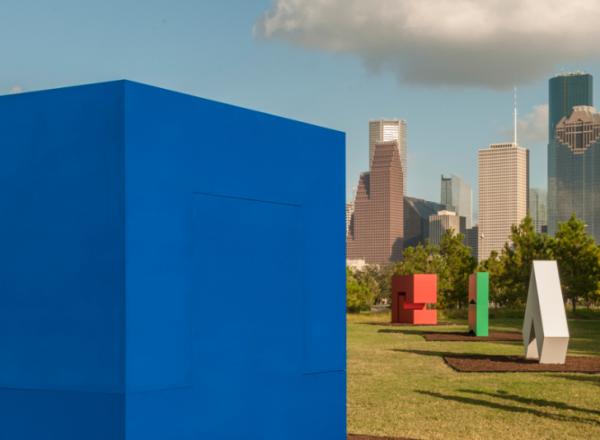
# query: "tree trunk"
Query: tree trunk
574,304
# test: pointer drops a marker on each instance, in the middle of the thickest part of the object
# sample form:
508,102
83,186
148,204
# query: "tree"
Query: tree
420,259
516,259
459,265
578,260
383,276
494,267
369,278
358,295
424,259
451,261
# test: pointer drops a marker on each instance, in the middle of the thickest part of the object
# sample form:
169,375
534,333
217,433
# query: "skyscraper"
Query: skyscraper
377,224
457,195
349,211
573,152
439,223
566,91
471,239
503,194
416,220
383,130
574,170
537,208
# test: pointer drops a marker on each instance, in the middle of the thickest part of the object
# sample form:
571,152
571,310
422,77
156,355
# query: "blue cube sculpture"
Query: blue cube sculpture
170,268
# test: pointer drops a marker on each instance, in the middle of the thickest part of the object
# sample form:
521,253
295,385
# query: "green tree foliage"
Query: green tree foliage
459,265
369,278
517,257
577,255
420,259
578,262
451,261
494,267
358,295
383,277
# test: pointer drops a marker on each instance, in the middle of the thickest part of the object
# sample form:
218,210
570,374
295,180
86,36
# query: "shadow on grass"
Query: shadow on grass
584,346
403,331
378,323
409,326
370,437
449,354
594,380
529,401
432,353
509,408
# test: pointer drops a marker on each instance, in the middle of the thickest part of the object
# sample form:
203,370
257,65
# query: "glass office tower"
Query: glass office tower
565,92
538,209
457,195
573,153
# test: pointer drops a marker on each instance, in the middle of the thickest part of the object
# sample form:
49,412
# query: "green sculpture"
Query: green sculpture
479,289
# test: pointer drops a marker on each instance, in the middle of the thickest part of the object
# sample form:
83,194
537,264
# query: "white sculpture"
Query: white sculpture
545,330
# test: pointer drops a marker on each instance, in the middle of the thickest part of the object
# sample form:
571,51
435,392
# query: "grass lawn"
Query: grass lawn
399,385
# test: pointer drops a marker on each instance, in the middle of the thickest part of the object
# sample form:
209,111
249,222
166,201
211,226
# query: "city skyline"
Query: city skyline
573,129
505,192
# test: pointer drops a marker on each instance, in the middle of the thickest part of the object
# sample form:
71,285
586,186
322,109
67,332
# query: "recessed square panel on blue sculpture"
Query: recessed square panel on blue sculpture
171,268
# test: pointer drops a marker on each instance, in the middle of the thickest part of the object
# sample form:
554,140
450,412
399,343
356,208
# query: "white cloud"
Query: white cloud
486,43
532,128
16,89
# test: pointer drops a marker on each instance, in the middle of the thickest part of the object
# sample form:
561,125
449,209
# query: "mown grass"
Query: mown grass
399,385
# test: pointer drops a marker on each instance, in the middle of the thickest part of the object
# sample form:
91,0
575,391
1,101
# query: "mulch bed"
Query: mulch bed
402,324
507,364
470,337
370,437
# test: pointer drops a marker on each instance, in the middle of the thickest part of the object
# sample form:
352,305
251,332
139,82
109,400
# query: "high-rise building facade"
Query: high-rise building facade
571,152
416,220
503,194
349,211
537,208
471,239
383,130
377,224
574,170
565,92
457,195
441,222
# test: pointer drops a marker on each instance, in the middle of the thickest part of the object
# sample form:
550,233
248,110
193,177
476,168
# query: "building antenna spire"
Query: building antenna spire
515,116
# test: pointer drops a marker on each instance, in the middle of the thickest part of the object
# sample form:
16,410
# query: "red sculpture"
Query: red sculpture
410,296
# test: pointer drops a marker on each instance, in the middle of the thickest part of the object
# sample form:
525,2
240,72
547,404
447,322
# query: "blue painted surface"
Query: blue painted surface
171,268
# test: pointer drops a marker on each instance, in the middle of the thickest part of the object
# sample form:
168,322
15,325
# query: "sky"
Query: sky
448,68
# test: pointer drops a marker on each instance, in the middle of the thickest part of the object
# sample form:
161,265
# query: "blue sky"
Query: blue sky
208,48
